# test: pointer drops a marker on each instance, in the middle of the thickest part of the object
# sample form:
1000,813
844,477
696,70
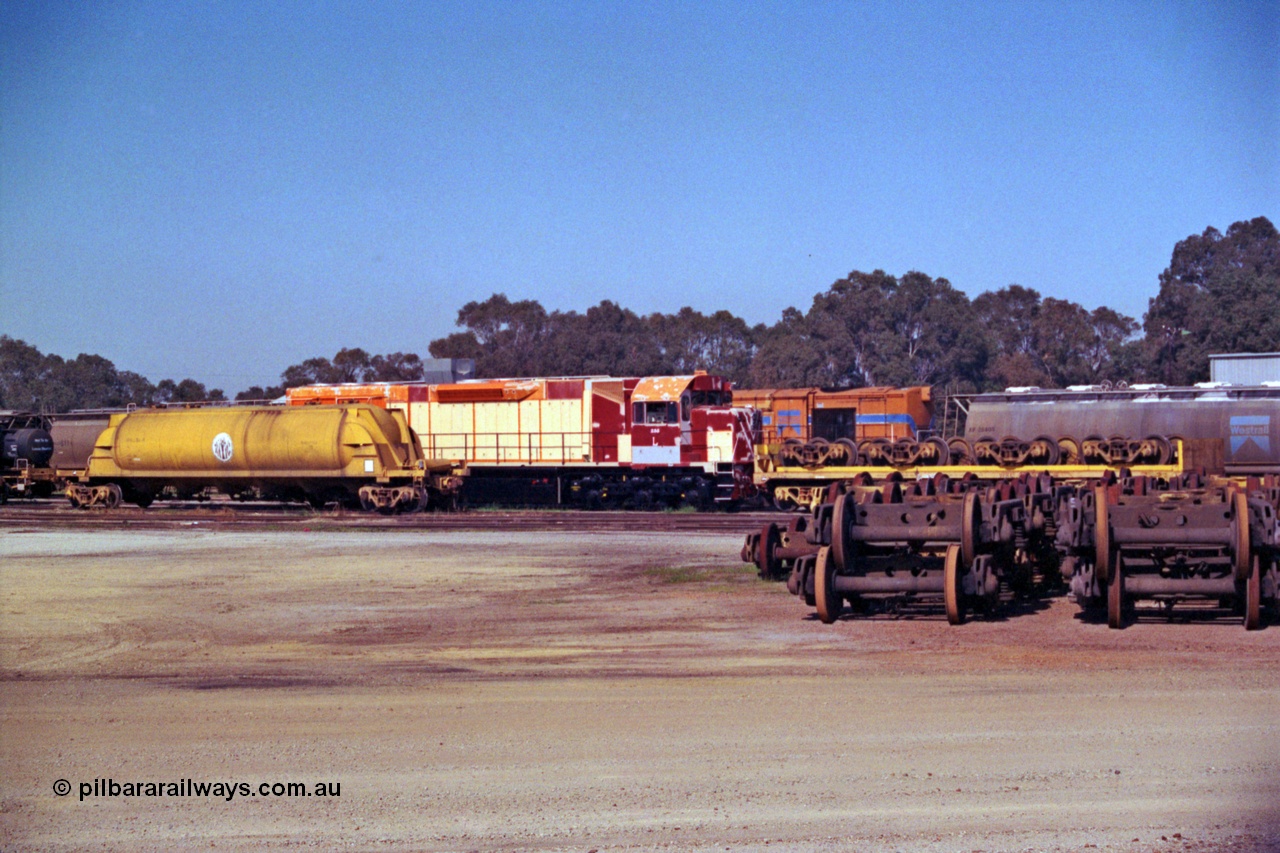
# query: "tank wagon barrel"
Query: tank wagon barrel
344,453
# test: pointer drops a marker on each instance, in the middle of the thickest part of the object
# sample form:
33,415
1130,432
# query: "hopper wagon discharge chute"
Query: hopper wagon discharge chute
354,455
592,441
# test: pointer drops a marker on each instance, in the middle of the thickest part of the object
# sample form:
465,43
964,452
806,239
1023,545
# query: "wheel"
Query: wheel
1101,535
1241,552
877,451
765,561
961,451
1253,596
850,448
941,450
1069,450
969,528
1115,596
113,496
951,586
1163,449
789,453
1050,451
839,520
413,503
828,601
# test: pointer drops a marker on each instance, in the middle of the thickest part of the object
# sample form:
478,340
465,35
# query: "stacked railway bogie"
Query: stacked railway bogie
1203,543
957,542
1008,453
968,545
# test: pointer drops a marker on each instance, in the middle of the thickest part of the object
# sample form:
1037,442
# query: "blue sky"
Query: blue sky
220,190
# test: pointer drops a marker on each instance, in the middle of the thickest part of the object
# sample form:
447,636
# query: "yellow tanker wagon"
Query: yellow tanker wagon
349,454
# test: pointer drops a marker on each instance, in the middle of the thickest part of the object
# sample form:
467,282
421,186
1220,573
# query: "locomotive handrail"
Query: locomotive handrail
511,447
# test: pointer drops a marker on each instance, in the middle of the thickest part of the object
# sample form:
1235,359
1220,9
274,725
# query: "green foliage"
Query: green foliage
1219,294
875,329
186,391
1050,342
348,365
511,339
33,381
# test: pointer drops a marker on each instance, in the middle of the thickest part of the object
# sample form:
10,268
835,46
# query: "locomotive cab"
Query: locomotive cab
669,418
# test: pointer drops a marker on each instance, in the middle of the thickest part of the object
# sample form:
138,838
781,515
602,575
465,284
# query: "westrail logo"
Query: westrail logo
1250,430
223,449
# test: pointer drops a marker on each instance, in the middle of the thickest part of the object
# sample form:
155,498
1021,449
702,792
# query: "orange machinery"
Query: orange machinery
856,413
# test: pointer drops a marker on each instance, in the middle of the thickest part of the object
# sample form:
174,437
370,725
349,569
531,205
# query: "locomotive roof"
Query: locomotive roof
669,388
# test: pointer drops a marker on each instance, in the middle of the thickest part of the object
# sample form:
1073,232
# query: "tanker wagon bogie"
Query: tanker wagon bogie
352,455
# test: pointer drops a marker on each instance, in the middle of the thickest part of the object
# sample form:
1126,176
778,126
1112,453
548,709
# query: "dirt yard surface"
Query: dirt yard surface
473,690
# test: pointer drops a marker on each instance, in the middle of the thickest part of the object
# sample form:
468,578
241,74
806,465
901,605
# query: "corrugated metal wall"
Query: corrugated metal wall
1251,368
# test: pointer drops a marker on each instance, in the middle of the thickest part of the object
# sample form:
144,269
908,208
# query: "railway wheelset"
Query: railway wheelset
971,547
1006,452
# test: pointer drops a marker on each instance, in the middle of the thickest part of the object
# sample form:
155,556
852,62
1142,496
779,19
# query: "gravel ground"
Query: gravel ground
473,690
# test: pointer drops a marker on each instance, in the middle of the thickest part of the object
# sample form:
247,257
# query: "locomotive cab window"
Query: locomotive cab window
686,408
654,413
711,398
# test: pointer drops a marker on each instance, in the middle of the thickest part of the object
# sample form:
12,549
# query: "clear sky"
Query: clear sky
219,190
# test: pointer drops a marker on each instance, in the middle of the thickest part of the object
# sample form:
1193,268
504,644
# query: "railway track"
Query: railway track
249,515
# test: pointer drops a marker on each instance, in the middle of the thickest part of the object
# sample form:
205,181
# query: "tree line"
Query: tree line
1220,293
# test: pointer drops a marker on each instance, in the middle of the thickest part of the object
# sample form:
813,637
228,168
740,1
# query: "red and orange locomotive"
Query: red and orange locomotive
587,440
